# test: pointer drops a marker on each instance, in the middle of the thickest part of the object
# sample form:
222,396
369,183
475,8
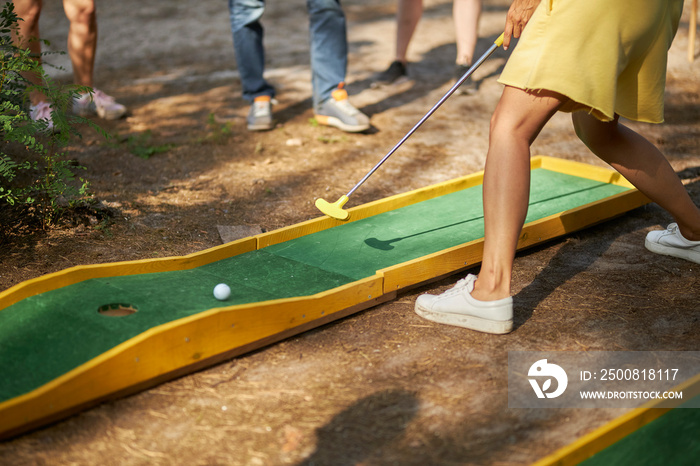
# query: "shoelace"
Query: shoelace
261,109
673,230
458,287
346,107
100,98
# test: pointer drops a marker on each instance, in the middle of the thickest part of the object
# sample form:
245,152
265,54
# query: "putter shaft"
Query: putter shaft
447,95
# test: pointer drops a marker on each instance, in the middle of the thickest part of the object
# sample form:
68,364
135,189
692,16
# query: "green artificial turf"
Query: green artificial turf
47,335
672,439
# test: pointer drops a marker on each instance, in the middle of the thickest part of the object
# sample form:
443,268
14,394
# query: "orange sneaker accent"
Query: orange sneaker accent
322,119
263,98
339,93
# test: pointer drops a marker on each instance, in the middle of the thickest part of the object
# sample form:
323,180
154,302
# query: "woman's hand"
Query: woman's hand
518,15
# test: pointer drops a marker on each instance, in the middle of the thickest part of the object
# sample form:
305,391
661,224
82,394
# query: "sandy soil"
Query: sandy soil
382,386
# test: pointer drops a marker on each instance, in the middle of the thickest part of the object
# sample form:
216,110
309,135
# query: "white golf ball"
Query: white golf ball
222,291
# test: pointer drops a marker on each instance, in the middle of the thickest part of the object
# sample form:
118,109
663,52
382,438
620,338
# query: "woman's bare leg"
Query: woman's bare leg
643,165
466,14
408,14
516,122
27,37
82,39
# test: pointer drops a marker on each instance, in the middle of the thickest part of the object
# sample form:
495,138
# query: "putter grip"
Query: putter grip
499,41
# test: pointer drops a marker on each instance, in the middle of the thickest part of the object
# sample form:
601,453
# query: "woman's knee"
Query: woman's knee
522,114
80,11
29,11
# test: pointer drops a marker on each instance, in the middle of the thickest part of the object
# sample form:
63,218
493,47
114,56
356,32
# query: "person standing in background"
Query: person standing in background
329,59
465,13
82,47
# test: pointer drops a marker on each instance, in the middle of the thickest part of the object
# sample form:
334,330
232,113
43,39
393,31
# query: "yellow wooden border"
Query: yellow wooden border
580,169
619,428
198,341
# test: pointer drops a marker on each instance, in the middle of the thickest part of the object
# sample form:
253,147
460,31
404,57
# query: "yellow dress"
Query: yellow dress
607,56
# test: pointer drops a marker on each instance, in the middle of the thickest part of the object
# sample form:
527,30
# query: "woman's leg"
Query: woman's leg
465,14
28,37
516,122
329,48
408,14
82,39
643,165
248,34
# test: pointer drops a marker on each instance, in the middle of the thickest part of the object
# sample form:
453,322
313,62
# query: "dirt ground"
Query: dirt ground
381,386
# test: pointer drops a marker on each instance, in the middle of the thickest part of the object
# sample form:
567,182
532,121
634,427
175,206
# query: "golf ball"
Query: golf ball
222,291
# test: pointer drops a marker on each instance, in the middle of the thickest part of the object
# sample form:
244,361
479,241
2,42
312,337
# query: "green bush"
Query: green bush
48,182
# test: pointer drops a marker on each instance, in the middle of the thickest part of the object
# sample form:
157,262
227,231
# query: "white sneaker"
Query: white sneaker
260,114
98,103
456,306
42,111
338,111
670,242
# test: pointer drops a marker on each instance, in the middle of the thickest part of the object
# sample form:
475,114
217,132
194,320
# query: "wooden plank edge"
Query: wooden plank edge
617,429
371,208
582,170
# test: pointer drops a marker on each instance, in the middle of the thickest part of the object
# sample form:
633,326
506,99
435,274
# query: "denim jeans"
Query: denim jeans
329,47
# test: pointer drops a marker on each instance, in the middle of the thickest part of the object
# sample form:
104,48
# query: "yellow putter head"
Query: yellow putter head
334,210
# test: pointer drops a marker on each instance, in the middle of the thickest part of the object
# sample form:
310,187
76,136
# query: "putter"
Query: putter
335,209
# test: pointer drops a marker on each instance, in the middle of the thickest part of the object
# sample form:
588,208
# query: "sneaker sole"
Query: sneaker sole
687,254
111,115
86,112
337,123
498,327
260,127
395,82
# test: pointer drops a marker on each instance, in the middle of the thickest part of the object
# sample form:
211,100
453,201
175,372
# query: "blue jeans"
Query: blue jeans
329,47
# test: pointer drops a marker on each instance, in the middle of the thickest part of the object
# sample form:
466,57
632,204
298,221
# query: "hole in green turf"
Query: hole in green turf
117,310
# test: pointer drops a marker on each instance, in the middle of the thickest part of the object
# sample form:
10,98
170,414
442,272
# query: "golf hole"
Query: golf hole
117,310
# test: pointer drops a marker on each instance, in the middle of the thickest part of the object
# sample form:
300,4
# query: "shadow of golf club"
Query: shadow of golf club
385,245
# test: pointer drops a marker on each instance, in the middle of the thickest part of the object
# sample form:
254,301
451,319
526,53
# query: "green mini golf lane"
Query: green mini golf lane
672,439
47,335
